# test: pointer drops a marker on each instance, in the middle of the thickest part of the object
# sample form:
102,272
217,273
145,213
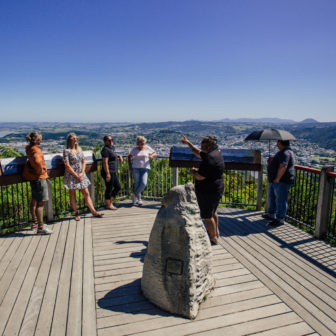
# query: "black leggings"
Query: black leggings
112,187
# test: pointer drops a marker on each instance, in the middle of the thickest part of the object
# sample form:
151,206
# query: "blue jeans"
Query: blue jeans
278,200
140,180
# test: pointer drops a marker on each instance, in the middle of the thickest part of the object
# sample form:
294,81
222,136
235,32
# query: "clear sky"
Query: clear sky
159,60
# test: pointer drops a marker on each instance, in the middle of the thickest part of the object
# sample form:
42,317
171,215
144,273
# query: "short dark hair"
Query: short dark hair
210,140
284,143
106,137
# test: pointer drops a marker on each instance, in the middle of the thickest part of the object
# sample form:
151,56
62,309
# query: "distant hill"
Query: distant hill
322,134
309,121
259,120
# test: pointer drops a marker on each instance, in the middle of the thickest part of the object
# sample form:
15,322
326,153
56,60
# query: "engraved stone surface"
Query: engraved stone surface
177,269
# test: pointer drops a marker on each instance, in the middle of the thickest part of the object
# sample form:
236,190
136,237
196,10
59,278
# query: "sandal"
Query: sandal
112,207
214,241
77,216
98,214
35,223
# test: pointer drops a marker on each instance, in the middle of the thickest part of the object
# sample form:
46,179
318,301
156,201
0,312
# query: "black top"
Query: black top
284,156
212,168
109,152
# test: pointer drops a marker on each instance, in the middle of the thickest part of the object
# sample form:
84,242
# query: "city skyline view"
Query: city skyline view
145,61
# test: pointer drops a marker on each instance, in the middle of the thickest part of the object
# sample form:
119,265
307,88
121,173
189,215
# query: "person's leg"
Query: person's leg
89,203
42,228
207,209
272,200
40,196
215,217
143,176
108,193
211,227
33,205
136,177
282,201
116,188
39,214
72,195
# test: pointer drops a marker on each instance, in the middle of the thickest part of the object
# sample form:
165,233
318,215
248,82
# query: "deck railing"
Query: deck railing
312,201
303,196
331,231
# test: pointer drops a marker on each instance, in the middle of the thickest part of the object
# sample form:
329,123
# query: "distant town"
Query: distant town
162,136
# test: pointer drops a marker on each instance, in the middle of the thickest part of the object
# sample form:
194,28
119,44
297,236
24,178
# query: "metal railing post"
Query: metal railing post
323,203
130,191
259,190
175,177
91,187
49,204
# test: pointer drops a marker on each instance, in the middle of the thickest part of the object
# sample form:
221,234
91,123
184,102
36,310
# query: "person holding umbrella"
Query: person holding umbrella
280,173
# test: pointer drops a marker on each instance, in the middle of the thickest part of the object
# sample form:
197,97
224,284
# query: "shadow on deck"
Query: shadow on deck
85,280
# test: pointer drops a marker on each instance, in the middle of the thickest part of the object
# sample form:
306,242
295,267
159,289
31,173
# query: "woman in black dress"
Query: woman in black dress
209,184
109,171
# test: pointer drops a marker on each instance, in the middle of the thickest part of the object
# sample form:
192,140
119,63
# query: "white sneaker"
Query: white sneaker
44,231
140,202
135,200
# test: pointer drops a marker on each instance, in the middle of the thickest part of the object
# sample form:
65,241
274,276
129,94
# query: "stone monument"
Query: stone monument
177,271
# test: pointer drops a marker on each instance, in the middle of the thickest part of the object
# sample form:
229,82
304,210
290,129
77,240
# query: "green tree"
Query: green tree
6,152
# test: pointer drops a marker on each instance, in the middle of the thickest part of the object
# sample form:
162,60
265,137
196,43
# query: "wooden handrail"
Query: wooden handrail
332,174
308,169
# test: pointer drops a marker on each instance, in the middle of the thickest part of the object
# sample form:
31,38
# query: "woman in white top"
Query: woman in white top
139,158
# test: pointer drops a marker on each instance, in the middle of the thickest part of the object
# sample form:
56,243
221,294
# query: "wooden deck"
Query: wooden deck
85,280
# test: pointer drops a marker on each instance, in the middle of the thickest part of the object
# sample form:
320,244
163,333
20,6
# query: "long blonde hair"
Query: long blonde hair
77,149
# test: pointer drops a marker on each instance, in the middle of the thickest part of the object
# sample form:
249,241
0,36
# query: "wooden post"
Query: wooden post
259,190
175,177
49,204
323,203
90,176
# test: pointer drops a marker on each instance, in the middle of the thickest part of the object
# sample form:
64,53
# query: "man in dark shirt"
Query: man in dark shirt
209,184
280,172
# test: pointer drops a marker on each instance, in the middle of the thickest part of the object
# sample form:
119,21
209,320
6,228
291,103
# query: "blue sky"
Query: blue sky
159,60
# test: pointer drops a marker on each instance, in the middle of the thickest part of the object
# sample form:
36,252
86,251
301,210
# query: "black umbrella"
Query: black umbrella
270,134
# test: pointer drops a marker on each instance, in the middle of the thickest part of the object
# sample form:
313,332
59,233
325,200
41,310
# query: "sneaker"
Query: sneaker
275,222
44,231
267,216
135,200
140,202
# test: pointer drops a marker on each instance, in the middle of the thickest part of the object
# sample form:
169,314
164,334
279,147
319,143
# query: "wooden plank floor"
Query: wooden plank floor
85,280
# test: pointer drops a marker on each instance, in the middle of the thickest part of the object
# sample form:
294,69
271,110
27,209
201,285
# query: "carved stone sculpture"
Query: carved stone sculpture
177,269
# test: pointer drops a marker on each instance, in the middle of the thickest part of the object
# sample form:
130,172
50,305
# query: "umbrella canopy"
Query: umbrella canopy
270,134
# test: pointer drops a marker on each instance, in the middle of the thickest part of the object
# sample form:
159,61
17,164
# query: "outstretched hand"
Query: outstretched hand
184,139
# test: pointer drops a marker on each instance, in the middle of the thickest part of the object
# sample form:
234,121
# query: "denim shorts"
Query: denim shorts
39,190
